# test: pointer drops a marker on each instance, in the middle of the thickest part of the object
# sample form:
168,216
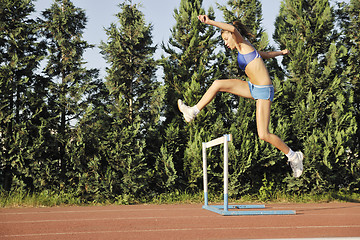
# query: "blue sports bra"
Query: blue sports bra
245,59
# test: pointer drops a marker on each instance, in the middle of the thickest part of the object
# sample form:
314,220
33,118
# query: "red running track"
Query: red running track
178,222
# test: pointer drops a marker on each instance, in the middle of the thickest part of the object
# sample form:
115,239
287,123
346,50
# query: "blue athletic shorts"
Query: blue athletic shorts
261,91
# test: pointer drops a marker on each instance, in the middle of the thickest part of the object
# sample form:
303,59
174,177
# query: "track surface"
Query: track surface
178,222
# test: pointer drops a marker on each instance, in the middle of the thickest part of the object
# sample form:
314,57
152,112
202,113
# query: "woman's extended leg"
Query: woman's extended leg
234,86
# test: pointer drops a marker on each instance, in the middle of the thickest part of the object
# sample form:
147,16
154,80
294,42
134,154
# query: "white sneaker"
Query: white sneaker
296,164
188,112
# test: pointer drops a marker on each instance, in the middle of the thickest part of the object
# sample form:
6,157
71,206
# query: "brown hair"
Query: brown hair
243,30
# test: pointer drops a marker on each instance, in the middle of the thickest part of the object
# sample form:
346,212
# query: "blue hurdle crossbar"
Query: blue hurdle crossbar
224,210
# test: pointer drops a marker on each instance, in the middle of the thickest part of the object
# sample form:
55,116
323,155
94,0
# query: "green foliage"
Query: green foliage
321,114
69,81
188,73
165,174
266,190
134,108
22,92
348,19
67,137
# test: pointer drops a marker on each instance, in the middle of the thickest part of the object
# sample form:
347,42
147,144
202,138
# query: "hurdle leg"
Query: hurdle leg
205,174
226,172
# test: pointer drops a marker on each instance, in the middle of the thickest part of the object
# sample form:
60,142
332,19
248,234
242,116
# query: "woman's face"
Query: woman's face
228,40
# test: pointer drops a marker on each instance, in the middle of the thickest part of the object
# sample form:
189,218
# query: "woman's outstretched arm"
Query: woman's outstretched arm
267,55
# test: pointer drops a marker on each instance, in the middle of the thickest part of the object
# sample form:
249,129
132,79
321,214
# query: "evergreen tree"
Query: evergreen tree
349,22
250,158
321,120
189,71
63,27
134,98
86,149
22,94
89,155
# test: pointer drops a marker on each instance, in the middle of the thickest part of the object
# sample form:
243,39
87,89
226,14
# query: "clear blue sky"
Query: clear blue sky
101,13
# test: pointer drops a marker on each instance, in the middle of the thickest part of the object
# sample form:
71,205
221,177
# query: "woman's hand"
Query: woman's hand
285,52
204,19
224,26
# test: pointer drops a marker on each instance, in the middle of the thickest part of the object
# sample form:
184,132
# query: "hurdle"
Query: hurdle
225,209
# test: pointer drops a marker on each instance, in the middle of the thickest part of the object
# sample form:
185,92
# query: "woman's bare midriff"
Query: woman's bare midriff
257,72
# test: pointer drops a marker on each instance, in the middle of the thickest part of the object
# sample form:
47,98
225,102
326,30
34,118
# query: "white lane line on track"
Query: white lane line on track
140,210
178,230
99,211
139,218
100,219
136,218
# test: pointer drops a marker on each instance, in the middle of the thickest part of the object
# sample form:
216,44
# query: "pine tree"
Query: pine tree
63,26
134,98
349,22
86,149
22,94
250,158
321,123
189,71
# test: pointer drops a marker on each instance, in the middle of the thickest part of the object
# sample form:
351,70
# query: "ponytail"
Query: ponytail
244,31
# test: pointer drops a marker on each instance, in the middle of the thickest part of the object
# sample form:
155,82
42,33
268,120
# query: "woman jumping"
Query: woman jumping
259,87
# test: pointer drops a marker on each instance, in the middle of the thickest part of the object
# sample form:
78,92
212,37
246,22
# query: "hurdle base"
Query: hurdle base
220,210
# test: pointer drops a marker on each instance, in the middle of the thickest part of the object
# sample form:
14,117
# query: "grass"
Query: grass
19,198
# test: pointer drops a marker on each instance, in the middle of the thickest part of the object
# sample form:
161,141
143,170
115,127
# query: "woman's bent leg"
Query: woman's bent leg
263,108
262,121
